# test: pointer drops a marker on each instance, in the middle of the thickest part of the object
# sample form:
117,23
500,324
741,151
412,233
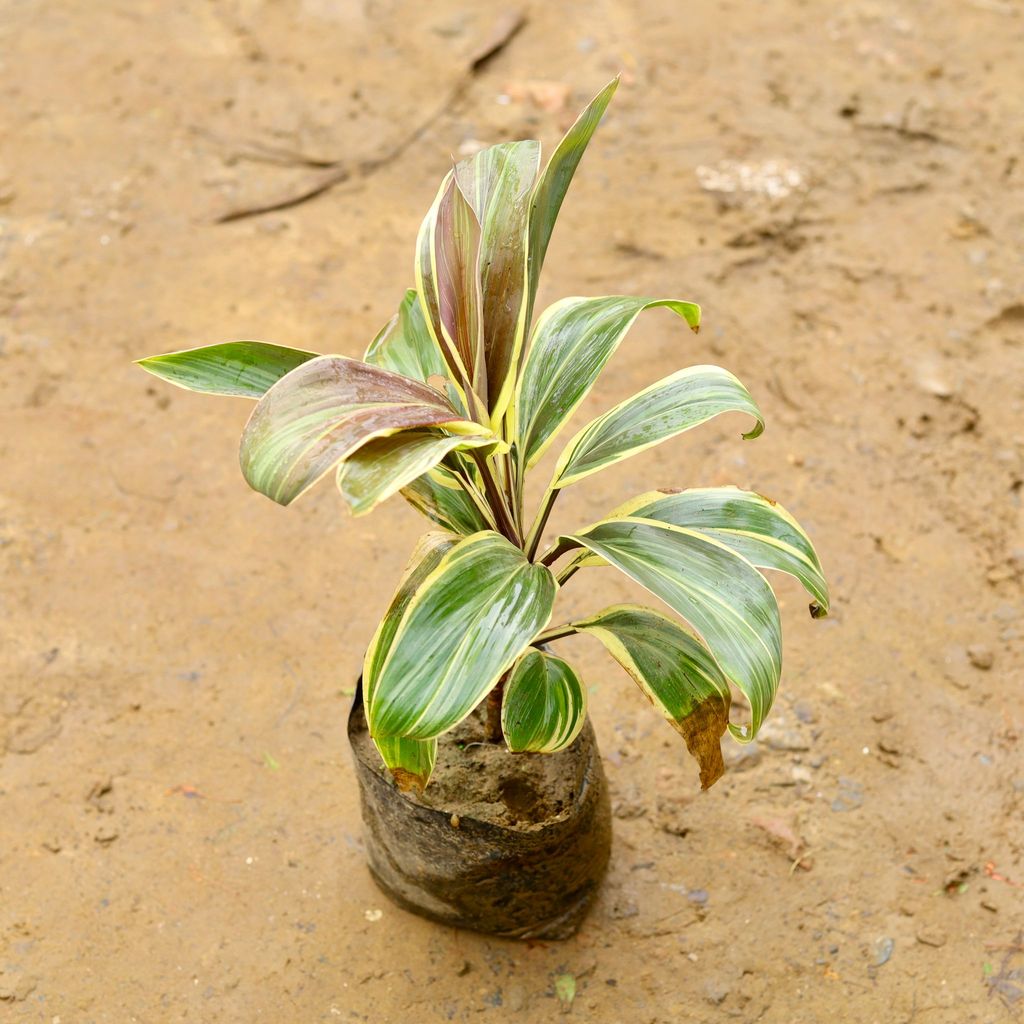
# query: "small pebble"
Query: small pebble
883,950
850,795
105,834
804,712
716,991
788,740
980,656
622,908
931,937
741,757
933,381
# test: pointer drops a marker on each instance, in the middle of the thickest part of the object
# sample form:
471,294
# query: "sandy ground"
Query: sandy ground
181,835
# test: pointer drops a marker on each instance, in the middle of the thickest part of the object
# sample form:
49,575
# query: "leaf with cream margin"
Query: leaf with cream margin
425,558
440,497
554,183
404,344
726,600
572,342
244,369
411,762
464,627
670,406
754,526
326,409
448,285
544,705
498,183
677,674
385,465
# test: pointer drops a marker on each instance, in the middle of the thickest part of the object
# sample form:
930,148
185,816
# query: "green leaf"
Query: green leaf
385,465
246,369
439,497
448,285
545,704
571,344
326,409
754,526
676,673
677,403
465,626
404,344
425,558
717,591
498,182
565,988
554,182
411,762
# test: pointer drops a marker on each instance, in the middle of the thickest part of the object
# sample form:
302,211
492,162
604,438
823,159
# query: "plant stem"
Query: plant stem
567,574
556,551
470,488
508,473
497,500
537,530
494,732
556,633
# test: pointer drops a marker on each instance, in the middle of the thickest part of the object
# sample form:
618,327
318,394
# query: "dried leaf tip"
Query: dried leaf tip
408,782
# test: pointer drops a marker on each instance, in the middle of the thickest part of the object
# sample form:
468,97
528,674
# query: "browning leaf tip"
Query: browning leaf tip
408,782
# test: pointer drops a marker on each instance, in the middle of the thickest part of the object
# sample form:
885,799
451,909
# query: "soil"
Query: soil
839,185
485,850
477,779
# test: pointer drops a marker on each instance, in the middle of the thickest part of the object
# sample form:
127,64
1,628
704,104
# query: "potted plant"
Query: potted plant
453,404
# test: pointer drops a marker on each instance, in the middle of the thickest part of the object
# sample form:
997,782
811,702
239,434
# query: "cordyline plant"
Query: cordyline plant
471,617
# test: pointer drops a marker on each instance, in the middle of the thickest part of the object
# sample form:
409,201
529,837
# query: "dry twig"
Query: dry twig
504,29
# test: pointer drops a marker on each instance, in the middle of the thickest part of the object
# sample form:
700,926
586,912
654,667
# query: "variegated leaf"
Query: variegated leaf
571,343
554,183
326,409
677,674
405,345
439,496
425,558
383,466
717,591
464,627
498,182
544,705
677,403
448,285
411,762
754,526
246,369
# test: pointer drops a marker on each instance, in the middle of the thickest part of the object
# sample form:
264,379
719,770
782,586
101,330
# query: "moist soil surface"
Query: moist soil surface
474,778
839,185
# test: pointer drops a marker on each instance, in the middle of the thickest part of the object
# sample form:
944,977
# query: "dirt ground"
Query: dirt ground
839,185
